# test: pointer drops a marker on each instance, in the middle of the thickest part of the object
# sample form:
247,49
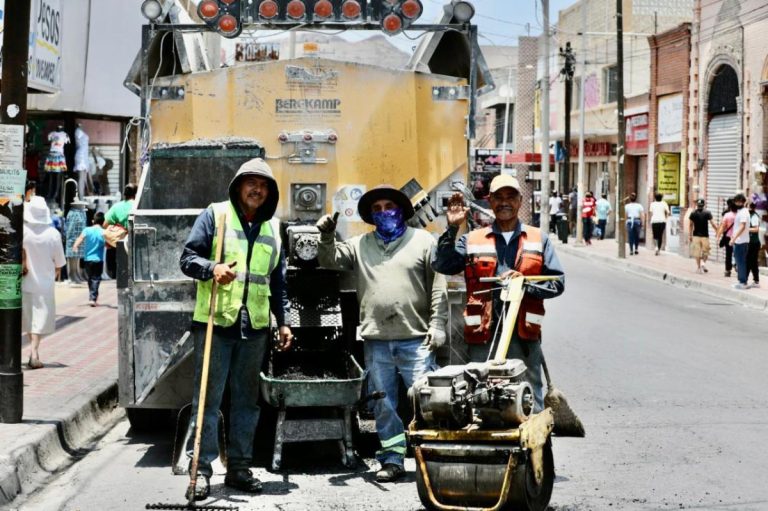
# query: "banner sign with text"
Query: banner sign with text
45,43
668,177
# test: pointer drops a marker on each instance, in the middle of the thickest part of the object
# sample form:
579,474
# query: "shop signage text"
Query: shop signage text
592,149
668,177
637,133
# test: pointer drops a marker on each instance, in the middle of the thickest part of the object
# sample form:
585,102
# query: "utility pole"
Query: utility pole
544,209
620,214
15,55
505,135
582,118
567,71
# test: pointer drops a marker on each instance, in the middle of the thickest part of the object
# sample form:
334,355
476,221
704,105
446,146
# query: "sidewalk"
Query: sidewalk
670,268
69,400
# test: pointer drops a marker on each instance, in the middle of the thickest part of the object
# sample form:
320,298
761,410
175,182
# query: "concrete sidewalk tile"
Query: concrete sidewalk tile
671,269
69,400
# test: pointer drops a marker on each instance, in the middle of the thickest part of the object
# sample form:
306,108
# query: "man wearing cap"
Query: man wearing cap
506,248
698,234
251,284
403,306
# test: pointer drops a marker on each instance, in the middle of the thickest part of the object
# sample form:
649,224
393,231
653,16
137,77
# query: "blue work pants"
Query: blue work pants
241,359
383,361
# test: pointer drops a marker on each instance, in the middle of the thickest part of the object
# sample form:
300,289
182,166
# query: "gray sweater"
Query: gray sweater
400,296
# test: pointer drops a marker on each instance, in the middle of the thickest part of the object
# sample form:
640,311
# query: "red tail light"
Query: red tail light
268,9
227,24
323,9
350,9
411,9
392,23
296,9
228,2
208,10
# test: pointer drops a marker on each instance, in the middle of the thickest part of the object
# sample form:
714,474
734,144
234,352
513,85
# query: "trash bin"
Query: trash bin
562,228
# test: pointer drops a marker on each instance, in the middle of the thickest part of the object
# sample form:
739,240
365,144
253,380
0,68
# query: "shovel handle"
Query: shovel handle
221,222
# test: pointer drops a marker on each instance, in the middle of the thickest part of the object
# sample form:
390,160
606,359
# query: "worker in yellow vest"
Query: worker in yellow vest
506,248
251,284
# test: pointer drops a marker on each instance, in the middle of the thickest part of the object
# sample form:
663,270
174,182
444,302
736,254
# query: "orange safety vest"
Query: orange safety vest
482,261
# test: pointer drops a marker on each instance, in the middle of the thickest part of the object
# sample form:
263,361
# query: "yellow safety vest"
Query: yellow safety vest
264,258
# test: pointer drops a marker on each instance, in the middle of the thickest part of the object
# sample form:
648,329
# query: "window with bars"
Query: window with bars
610,88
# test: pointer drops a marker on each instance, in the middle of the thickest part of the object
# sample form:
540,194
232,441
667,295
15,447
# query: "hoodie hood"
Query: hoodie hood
256,167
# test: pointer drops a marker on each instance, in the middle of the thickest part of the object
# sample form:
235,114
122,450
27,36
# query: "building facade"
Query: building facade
728,102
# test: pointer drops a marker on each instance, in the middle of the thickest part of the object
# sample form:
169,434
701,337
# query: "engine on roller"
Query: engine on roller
489,394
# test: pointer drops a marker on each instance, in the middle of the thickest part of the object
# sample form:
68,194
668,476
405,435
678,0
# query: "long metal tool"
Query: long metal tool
220,223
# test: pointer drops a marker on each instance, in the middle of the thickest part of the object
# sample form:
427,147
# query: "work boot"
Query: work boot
243,480
389,472
202,488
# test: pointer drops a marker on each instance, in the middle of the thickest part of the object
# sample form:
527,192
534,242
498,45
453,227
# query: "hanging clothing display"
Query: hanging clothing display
55,161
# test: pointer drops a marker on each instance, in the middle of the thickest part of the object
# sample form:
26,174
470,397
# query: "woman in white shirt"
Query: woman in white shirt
659,211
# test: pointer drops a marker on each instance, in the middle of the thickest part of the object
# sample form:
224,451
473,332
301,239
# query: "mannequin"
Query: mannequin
76,222
84,182
55,162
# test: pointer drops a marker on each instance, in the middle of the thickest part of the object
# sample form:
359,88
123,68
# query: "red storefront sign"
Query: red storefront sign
637,134
592,149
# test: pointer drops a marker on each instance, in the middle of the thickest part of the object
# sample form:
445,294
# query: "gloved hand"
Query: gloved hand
435,338
327,223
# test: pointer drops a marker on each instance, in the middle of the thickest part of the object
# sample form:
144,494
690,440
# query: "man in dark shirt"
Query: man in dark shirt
698,228
251,284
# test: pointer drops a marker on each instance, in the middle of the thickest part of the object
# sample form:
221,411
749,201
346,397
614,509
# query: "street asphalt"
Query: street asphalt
670,384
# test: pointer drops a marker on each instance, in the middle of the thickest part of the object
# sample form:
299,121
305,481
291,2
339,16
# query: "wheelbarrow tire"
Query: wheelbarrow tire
525,494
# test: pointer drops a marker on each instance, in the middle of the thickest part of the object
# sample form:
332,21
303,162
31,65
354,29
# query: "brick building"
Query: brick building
667,126
728,101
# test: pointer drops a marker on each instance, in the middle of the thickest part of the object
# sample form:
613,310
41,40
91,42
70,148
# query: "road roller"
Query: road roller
477,443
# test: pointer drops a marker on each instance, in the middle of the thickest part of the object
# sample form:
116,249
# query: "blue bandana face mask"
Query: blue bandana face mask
389,224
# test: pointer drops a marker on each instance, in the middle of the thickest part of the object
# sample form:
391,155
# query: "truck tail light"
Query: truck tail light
323,9
411,9
392,24
268,9
296,9
227,24
208,10
351,9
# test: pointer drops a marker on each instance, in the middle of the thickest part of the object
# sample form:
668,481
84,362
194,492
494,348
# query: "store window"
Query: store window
610,86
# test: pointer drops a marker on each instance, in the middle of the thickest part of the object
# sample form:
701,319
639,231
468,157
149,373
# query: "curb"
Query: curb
733,295
60,443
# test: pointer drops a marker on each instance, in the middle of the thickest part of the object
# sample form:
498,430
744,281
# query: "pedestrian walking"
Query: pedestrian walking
506,248
587,213
659,212
724,234
93,239
250,286
554,208
698,234
754,245
634,213
43,257
603,209
573,206
75,224
403,307
740,240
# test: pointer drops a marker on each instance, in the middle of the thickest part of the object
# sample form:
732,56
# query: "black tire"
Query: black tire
525,494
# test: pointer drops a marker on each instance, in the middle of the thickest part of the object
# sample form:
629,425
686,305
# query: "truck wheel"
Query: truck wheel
525,494
421,488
